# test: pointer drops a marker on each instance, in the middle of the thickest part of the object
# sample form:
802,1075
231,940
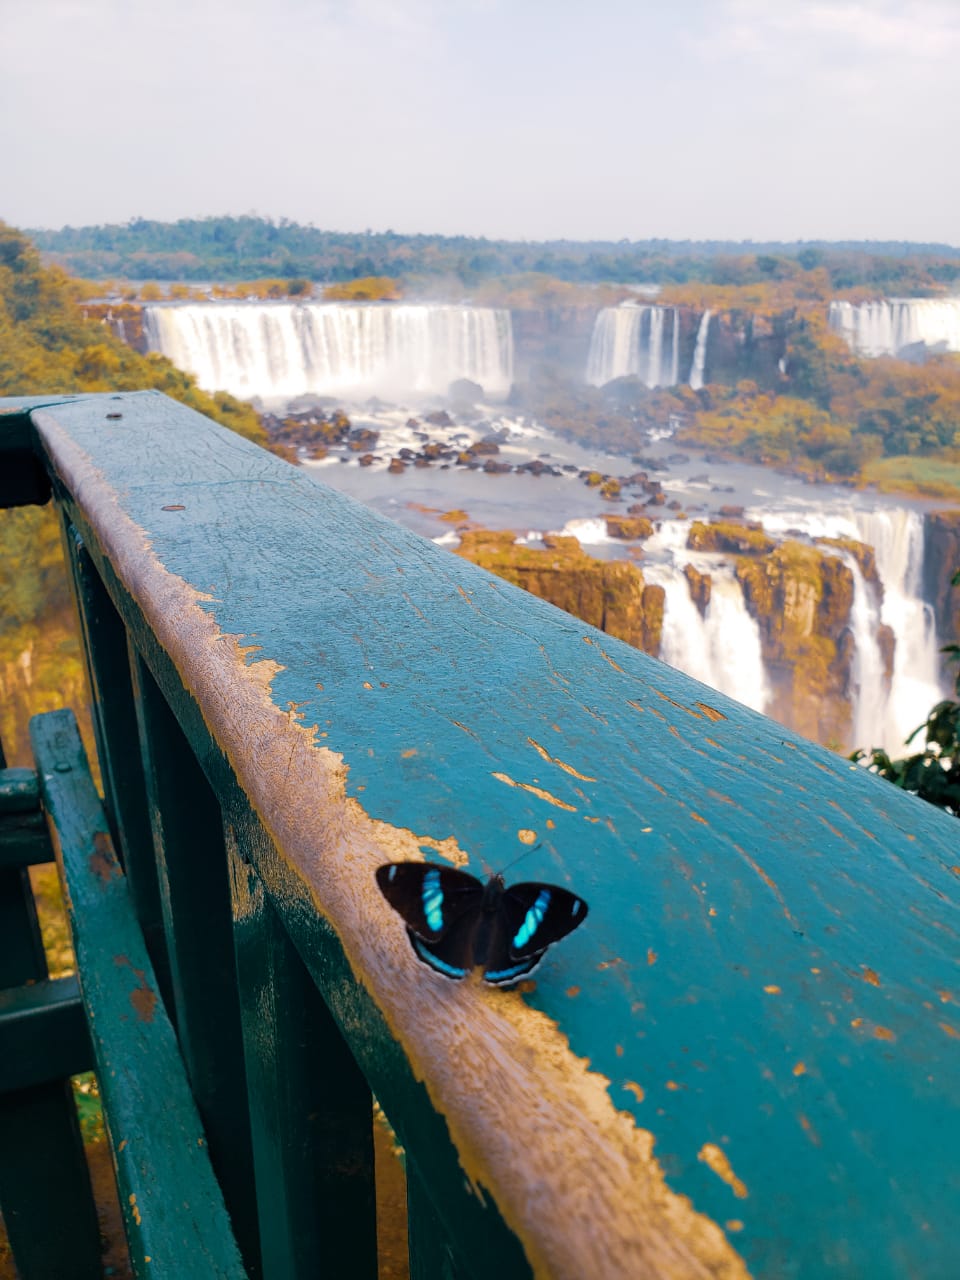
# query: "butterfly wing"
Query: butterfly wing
441,908
530,917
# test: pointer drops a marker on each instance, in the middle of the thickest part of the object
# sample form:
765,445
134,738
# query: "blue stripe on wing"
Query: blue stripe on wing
434,961
433,900
504,977
532,920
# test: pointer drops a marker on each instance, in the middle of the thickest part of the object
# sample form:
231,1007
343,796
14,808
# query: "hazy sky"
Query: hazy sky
531,119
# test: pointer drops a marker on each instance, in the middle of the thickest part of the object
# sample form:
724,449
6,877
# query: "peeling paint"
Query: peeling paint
134,1209
679,705
710,712
103,861
716,1160
536,791
567,768
143,998
809,1130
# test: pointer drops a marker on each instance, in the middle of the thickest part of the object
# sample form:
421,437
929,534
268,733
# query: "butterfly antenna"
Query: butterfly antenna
521,856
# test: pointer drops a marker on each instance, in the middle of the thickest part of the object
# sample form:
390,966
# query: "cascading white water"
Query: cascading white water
897,538
629,341
871,697
896,535
885,327
721,648
700,353
276,350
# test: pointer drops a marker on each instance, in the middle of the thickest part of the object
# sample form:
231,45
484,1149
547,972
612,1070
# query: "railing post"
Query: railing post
43,1170
195,900
310,1105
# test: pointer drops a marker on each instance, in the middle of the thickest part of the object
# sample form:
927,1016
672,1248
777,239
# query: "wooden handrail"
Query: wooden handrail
745,1062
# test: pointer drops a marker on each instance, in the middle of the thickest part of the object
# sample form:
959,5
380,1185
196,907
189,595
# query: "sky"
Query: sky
521,119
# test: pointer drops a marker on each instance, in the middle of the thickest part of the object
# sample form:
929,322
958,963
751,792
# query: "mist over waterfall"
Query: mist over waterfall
886,327
277,350
639,341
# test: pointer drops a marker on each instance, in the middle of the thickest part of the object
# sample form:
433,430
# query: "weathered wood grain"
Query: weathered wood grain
745,1060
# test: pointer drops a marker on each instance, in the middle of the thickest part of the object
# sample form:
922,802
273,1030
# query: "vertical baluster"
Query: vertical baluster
432,1255
311,1107
195,900
118,745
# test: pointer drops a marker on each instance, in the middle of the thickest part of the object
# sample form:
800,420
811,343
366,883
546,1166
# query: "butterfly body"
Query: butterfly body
457,923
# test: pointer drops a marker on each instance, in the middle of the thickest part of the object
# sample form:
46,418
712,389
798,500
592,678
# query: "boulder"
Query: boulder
701,586
725,535
631,528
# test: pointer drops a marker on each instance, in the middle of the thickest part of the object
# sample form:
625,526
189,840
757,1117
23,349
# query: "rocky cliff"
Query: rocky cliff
609,594
747,345
551,341
941,560
801,598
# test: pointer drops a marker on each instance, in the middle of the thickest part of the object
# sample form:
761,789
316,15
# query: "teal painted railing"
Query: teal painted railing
745,1061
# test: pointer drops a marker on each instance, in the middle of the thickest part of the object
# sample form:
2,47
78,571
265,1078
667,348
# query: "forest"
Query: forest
241,248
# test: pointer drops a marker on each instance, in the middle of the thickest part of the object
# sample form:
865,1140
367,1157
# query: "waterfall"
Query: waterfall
700,353
870,699
896,535
722,648
276,350
897,538
629,341
886,327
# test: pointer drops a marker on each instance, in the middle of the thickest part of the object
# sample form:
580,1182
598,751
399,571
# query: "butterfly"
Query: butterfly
455,922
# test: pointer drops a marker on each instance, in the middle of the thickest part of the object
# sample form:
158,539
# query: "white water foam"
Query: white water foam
588,531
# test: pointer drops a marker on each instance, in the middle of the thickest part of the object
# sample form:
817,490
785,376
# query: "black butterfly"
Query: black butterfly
455,922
